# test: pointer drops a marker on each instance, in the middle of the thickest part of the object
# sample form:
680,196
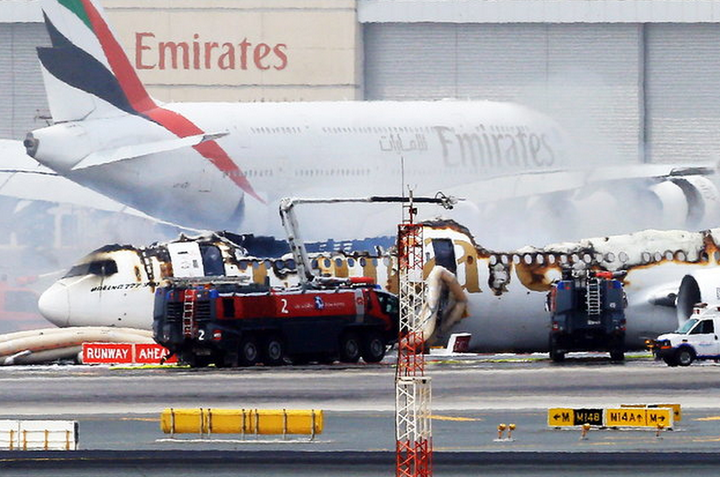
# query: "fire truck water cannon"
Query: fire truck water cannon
306,275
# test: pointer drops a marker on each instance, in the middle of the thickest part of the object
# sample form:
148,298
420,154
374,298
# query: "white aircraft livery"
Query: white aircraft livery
226,165
499,297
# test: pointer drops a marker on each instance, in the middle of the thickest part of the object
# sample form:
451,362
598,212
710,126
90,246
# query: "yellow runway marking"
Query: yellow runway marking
709,418
459,419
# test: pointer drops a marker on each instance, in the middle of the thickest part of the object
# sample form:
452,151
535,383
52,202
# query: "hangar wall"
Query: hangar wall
616,73
22,95
683,92
584,75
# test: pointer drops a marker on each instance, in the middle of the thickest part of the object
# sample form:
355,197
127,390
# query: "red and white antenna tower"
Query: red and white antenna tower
413,430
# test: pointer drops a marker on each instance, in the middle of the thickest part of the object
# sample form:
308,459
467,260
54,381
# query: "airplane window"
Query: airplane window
669,255
646,257
327,263
279,264
587,258
351,262
212,260
290,264
563,258
574,258
623,257
539,259
314,264
363,262
504,259
516,259
338,262
680,255
610,257
551,259
657,256
528,258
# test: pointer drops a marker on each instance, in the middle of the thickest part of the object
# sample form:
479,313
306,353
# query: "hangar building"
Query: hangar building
634,79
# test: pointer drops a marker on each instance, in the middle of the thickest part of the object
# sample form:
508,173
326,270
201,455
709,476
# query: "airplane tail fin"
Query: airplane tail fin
86,72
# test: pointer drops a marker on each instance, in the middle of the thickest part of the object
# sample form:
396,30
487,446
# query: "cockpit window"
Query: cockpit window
103,268
687,326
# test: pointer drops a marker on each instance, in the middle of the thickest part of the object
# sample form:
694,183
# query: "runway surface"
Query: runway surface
118,410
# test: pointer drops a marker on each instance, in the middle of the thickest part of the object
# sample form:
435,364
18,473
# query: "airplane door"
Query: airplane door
445,254
186,259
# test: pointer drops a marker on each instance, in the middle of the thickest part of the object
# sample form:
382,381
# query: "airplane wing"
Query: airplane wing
547,182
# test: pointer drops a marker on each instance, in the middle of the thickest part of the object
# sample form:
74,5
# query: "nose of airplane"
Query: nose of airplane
54,305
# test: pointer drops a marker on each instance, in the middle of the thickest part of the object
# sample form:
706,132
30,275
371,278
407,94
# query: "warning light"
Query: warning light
584,431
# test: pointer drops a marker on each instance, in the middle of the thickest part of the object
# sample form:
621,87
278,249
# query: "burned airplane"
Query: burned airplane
499,297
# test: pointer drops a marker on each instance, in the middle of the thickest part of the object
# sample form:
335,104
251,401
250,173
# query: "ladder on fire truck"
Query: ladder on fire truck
188,311
592,296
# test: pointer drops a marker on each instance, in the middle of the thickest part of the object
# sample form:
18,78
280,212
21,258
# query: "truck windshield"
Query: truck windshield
687,326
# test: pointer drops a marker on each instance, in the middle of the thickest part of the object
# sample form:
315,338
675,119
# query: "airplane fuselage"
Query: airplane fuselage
312,149
505,291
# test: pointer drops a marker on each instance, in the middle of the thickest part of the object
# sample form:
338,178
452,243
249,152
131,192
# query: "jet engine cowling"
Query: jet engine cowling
702,286
701,199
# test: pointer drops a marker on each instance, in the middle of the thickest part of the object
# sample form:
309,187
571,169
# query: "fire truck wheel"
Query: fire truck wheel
273,351
373,348
248,352
349,348
617,355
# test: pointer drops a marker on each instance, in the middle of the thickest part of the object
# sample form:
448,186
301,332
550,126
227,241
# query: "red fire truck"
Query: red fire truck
230,323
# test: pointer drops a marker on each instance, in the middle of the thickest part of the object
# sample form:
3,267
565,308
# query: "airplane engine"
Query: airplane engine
701,286
692,201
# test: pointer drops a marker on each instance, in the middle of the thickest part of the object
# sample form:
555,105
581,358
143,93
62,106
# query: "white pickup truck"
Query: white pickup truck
696,339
